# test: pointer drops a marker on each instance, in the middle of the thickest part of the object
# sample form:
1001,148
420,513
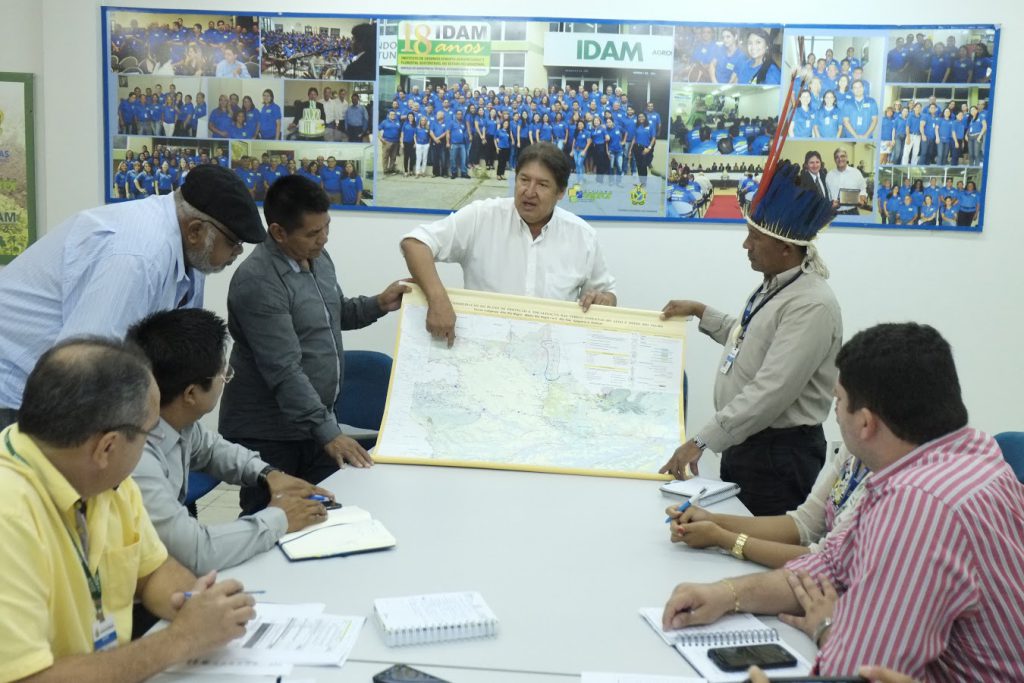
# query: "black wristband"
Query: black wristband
261,478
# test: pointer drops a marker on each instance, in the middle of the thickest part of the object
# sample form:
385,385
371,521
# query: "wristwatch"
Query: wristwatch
261,478
825,625
699,443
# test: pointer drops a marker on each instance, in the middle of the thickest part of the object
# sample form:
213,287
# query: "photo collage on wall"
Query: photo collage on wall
658,121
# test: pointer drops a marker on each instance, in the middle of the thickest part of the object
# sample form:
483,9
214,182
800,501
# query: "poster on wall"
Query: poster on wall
658,121
17,162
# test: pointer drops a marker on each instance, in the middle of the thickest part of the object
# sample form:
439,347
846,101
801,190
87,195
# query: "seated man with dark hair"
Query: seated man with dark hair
286,312
930,570
523,245
78,545
187,349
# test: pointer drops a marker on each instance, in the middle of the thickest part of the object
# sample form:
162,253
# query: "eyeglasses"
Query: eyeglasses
228,374
233,241
129,430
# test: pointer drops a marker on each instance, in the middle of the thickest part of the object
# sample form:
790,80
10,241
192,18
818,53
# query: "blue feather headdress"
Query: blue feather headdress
787,211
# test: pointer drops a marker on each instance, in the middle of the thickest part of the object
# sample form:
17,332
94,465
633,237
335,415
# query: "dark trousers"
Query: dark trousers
303,459
502,161
776,468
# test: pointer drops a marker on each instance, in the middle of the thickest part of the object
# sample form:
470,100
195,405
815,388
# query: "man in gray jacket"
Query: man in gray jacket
286,312
186,348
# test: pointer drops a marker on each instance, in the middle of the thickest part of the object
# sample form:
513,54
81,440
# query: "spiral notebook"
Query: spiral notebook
432,618
714,490
694,642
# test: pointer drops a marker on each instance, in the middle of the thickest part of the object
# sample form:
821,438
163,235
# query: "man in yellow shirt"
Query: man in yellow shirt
78,545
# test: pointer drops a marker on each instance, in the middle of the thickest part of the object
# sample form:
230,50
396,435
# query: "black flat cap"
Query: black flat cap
221,194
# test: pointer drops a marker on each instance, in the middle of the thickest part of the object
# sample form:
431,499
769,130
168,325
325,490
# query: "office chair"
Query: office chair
199,484
364,391
1012,445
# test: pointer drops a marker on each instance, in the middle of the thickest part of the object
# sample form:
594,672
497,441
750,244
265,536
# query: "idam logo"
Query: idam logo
638,195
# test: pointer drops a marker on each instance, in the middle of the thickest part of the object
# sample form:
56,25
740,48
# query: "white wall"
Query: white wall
969,286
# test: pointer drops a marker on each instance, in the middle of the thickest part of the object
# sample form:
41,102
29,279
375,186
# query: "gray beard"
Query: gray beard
200,258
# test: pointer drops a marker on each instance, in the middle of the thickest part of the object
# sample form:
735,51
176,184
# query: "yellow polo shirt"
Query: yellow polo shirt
44,595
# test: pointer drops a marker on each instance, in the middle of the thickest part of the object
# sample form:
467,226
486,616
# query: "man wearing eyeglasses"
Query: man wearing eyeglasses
187,348
107,267
79,548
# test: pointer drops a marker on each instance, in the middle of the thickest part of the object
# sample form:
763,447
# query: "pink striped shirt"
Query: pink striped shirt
931,569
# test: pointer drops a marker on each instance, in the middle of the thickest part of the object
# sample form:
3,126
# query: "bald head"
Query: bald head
85,386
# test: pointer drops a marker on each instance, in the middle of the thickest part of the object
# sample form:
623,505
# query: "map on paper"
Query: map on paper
536,384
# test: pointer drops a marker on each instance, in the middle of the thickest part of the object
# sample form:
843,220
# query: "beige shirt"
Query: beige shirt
785,372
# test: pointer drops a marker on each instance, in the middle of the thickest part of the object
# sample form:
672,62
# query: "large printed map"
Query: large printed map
536,384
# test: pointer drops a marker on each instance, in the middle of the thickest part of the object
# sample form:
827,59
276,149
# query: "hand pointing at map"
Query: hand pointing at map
441,318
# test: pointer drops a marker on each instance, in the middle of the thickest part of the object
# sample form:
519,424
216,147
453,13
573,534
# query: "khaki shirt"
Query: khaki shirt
785,372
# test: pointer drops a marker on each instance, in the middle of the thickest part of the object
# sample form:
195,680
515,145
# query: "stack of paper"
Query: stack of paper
280,637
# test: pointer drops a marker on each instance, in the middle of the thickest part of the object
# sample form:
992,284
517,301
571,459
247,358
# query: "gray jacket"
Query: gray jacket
287,356
162,476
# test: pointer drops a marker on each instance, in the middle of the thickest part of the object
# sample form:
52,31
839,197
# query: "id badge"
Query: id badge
104,634
730,358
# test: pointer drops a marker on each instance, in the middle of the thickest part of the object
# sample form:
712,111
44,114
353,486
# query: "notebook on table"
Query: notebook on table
716,490
346,531
693,643
435,617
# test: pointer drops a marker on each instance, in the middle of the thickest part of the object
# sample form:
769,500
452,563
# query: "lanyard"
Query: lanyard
750,310
855,478
95,588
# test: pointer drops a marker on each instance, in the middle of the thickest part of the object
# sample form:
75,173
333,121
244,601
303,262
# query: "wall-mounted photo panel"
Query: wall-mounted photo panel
748,55
727,120
948,54
929,197
711,187
657,121
841,170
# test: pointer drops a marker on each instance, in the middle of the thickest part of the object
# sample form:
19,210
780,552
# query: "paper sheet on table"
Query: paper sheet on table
601,677
282,635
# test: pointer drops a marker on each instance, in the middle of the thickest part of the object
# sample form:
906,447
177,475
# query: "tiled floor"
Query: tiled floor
219,505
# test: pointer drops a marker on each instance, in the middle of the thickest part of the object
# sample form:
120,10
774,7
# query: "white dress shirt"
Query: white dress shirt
848,179
497,253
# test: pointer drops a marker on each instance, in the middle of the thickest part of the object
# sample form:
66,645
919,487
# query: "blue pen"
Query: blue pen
688,503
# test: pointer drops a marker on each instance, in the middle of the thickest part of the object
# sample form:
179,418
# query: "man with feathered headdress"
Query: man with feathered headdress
775,381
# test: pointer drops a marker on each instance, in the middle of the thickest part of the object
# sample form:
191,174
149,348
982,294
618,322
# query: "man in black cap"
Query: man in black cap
105,268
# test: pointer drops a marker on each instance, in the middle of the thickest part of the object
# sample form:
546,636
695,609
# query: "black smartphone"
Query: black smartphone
332,505
400,673
741,658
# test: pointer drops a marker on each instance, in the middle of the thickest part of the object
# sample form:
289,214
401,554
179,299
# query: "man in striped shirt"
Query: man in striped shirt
931,571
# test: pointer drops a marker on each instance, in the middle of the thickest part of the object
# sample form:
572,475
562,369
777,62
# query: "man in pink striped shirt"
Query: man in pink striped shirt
930,573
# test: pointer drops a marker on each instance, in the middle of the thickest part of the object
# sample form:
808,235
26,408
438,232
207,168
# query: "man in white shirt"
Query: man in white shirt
844,179
334,112
523,245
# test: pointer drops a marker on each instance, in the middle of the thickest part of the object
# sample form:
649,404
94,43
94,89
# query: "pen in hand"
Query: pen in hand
691,501
189,594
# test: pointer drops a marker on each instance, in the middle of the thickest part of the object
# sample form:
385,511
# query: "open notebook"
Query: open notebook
694,642
716,490
347,530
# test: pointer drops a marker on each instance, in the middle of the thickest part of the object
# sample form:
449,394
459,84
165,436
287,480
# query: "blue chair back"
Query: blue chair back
199,484
1012,445
364,389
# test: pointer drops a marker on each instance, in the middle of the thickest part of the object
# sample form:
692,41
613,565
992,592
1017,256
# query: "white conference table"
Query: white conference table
564,561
